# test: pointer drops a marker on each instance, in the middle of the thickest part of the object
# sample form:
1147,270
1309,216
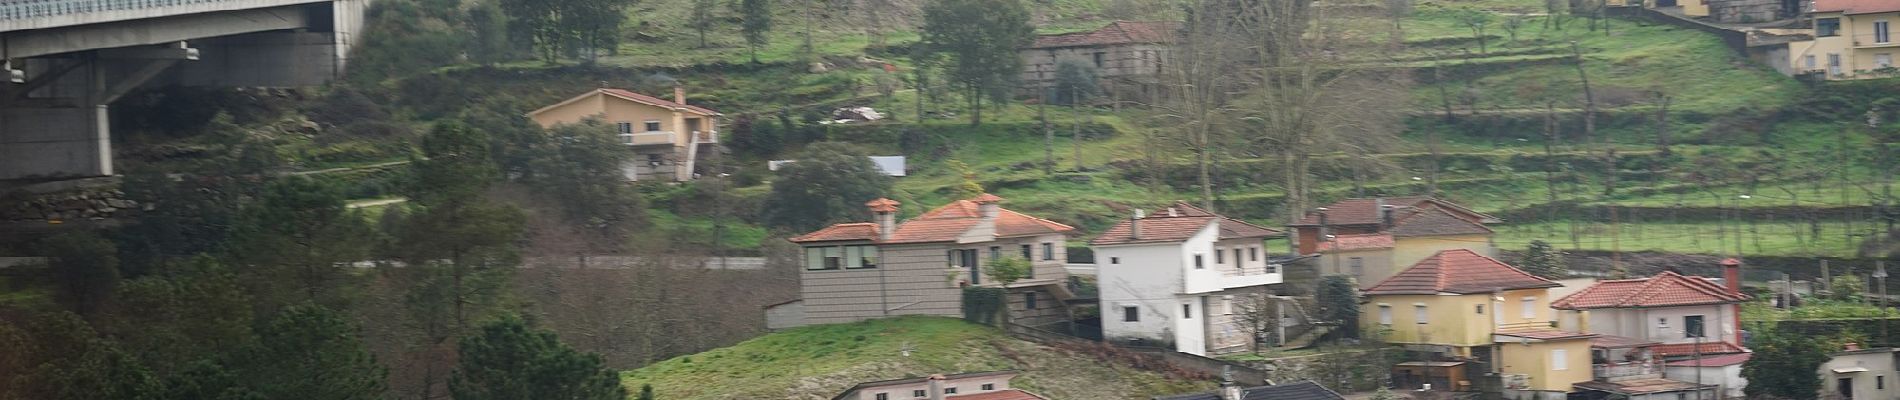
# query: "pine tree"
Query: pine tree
509,360
1545,261
310,352
1339,303
85,268
981,37
301,235
757,24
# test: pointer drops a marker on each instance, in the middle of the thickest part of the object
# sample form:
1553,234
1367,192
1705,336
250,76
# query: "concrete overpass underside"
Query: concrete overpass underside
54,114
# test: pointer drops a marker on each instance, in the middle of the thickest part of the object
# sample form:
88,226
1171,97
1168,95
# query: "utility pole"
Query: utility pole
1880,278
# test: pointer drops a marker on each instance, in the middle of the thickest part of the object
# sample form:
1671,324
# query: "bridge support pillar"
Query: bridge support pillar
58,125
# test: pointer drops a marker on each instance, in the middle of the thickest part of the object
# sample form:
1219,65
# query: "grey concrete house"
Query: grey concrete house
863,270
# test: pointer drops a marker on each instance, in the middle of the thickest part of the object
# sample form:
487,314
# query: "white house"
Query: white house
1861,374
1691,323
1174,277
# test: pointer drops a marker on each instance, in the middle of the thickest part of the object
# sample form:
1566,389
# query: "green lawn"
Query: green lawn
1814,308
820,361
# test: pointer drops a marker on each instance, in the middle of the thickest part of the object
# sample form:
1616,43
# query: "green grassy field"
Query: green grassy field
1761,238
820,361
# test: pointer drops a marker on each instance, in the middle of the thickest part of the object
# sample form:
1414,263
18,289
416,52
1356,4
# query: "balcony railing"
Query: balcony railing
648,138
1614,372
706,136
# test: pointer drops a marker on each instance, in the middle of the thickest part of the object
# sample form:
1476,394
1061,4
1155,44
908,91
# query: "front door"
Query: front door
1846,387
966,258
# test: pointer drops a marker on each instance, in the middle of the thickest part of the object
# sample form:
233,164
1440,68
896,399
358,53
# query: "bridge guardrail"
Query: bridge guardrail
12,10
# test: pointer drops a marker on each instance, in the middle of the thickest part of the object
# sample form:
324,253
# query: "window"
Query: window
1827,27
1833,63
996,252
1692,326
1131,314
1480,309
1253,254
624,127
989,386
1880,32
653,125
966,259
1385,314
1187,311
1880,382
837,257
1218,259
655,159
1227,305
883,396
919,393
1114,260
860,257
1358,265
1100,59
1028,251
1559,360
1420,314
950,390
1527,307
1048,251
1029,301
1236,258
1197,261
1808,61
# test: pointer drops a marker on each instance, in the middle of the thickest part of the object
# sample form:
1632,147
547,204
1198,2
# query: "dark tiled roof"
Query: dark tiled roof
1458,271
1011,394
1118,32
1302,390
1184,221
1663,290
1433,221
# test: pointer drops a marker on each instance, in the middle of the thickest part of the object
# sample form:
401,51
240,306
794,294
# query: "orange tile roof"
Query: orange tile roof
1856,6
1459,271
1118,32
1666,289
849,231
655,101
1358,242
1684,349
1365,211
943,224
1011,394
1186,220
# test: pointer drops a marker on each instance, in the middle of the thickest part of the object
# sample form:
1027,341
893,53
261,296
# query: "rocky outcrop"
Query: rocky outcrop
84,204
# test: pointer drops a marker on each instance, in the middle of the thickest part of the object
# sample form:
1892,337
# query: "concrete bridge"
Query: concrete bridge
67,61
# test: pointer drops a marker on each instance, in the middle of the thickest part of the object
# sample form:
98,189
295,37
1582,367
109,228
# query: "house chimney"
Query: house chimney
1134,224
679,94
1385,213
1324,230
936,386
986,206
886,212
1732,278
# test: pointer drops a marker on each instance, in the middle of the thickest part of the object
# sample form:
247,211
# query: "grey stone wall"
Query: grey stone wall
88,204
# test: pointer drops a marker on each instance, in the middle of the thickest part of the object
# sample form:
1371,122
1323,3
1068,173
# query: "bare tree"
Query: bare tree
1258,316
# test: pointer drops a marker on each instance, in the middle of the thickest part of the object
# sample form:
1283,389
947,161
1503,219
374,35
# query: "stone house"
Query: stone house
1175,276
667,137
1122,53
993,385
863,270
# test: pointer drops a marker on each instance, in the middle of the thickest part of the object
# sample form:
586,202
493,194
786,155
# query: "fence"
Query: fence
48,8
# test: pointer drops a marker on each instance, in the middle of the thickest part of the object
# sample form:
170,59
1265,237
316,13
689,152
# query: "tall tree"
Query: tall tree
702,18
829,183
1544,260
310,352
756,25
1784,365
1338,300
300,233
510,360
67,360
491,43
981,38
1075,83
582,171
85,268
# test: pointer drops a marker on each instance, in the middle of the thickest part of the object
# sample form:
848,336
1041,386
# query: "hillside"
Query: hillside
817,362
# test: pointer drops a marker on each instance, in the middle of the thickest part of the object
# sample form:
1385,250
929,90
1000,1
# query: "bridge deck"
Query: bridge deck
40,14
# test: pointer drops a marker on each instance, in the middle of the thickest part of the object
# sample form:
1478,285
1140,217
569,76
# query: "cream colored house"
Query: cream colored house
667,137
1853,39
1861,374
1465,307
1372,238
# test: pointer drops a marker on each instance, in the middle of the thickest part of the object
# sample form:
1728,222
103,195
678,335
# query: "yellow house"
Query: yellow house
1469,307
1853,39
1694,8
667,137
1371,239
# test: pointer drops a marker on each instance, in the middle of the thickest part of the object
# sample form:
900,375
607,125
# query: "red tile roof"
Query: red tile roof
1684,349
1010,394
1118,32
850,231
1366,211
1851,7
658,102
1358,242
1459,271
943,224
1183,221
1712,361
1667,289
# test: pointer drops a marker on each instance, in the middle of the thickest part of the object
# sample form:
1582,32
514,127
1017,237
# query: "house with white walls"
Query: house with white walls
1173,277
1692,325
